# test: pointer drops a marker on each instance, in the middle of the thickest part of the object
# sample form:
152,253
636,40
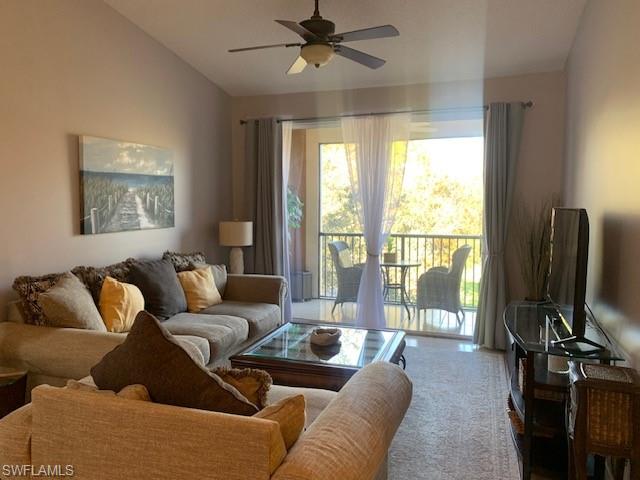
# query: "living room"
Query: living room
238,196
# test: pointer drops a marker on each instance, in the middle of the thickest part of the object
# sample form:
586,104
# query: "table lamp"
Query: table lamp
236,234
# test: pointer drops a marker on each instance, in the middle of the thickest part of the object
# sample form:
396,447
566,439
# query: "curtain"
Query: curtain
376,152
267,150
287,130
503,128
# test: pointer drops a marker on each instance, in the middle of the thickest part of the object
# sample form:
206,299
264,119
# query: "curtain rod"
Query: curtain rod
528,104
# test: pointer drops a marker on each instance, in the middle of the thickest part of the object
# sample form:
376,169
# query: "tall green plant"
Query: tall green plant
533,236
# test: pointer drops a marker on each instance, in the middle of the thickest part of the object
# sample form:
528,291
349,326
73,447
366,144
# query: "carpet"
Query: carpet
456,427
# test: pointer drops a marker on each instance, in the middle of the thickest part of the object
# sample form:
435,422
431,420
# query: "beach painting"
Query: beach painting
124,186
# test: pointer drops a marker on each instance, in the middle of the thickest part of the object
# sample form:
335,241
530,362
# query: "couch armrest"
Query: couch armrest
256,288
57,352
15,437
350,438
109,437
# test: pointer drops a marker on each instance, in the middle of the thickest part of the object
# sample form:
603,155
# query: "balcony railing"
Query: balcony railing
427,250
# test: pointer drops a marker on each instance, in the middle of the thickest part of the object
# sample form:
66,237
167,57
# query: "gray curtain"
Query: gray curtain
264,177
503,128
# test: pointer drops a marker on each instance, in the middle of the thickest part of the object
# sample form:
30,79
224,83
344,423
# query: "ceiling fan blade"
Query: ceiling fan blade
265,46
383,31
299,29
360,57
297,66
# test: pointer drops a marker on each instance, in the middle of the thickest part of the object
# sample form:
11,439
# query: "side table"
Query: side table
13,389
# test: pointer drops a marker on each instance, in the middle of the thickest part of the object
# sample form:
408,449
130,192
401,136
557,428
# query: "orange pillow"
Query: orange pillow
199,288
290,414
119,304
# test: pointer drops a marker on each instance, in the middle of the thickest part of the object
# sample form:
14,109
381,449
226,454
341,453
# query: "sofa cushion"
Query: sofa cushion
253,383
316,399
120,302
151,357
261,317
94,277
196,347
199,288
290,415
221,331
69,304
163,295
29,289
183,261
219,274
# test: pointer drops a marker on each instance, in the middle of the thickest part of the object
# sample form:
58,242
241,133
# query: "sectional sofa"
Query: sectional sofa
251,307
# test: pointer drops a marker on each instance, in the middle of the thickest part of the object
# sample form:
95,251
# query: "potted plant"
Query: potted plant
390,256
533,237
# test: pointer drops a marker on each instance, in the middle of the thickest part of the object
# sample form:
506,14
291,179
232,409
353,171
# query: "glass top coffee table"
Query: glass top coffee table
291,359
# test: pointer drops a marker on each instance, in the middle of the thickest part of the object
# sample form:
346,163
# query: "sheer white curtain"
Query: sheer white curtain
287,129
376,151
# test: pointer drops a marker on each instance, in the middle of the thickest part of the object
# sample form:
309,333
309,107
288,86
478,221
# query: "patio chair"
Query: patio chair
439,287
348,274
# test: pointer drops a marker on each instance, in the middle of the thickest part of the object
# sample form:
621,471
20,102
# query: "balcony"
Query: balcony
427,250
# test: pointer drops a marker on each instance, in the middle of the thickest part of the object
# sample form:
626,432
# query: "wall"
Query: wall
541,159
603,148
74,67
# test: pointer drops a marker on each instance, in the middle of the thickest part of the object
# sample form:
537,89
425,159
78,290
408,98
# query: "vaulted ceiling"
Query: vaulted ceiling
440,40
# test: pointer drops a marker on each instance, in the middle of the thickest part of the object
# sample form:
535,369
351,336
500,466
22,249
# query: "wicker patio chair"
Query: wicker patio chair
439,287
348,274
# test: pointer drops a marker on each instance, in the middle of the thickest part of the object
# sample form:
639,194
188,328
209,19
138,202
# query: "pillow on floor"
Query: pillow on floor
157,280
119,304
69,304
290,414
199,288
253,383
151,356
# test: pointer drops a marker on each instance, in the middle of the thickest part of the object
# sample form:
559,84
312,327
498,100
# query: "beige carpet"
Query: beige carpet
456,427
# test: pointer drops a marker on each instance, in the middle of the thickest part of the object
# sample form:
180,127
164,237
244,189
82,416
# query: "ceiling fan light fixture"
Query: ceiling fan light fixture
318,54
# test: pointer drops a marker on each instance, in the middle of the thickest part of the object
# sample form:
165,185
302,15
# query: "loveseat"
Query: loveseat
251,307
104,437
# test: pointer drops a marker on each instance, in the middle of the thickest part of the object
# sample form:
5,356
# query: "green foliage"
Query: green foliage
294,209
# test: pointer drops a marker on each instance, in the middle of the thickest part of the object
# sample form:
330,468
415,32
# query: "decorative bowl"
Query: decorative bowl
325,336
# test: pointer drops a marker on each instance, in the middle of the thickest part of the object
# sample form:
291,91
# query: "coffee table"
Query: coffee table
292,360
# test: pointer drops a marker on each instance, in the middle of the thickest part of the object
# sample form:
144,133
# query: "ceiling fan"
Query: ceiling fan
321,43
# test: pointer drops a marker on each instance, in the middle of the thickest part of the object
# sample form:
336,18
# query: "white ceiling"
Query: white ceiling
440,40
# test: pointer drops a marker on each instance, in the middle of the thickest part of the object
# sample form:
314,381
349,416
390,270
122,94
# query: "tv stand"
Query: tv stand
537,396
562,342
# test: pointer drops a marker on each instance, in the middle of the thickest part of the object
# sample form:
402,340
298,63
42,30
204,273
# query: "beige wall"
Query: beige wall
74,67
540,169
603,153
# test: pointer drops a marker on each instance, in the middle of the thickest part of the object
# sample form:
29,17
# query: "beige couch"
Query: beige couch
105,437
251,307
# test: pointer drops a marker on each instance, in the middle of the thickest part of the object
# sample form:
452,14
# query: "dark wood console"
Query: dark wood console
537,397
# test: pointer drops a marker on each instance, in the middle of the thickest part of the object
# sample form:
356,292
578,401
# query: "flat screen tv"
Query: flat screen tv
568,268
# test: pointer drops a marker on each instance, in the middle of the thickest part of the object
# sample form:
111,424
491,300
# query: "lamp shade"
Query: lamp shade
236,234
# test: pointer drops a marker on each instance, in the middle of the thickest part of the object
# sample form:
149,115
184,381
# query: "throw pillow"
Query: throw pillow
29,289
290,415
254,384
157,280
219,275
151,356
119,304
130,392
94,277
199,288
183,261
69,304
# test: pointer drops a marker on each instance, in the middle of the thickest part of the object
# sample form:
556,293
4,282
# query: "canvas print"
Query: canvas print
124,186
